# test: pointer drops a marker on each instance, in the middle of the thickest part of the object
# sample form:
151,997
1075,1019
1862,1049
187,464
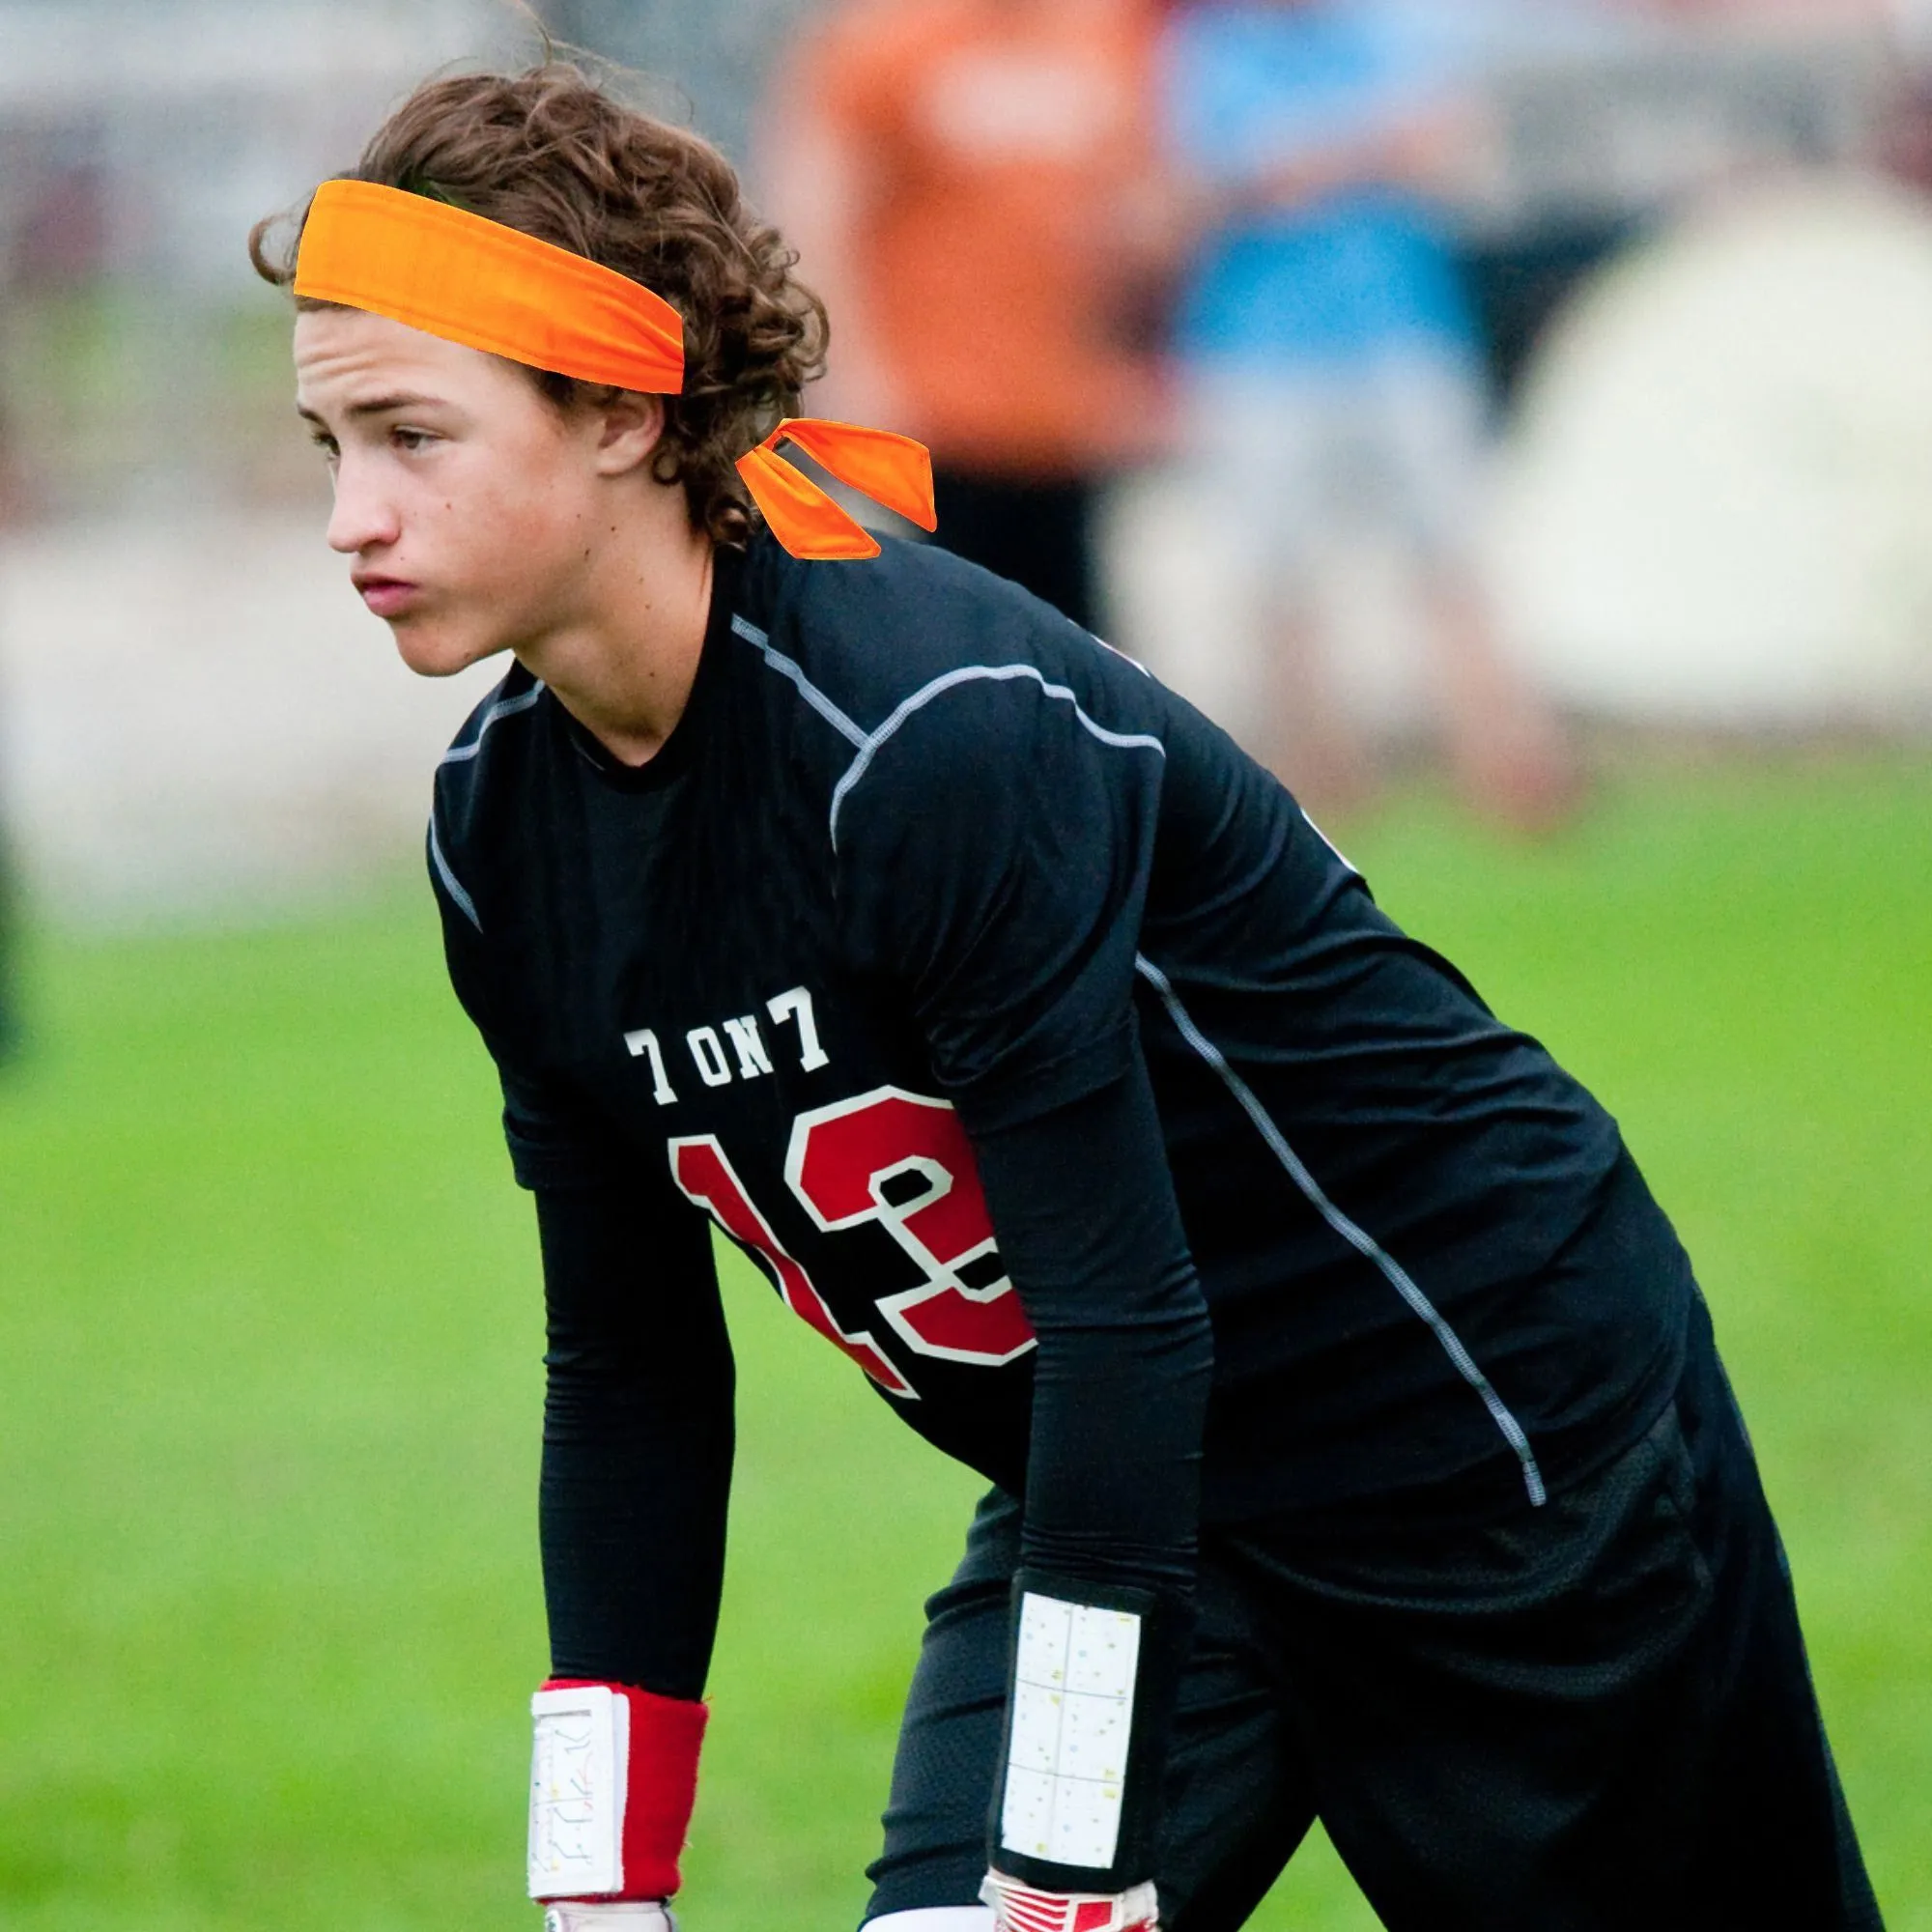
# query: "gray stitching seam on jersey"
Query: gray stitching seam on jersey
451,884
968,675
1356,1236
509,708
806,690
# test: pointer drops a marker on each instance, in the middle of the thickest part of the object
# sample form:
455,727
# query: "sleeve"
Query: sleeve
638,1409
1083,1209
637,1441
998,873
556,1142
993,862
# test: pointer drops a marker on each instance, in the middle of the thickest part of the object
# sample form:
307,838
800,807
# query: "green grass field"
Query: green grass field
268,1378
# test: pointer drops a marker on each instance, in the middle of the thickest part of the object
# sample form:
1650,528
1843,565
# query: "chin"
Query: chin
431,651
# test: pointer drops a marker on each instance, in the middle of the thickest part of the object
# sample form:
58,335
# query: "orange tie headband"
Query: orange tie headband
470,280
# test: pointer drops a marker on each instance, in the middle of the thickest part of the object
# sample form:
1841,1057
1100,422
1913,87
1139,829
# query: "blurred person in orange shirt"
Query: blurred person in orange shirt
972,187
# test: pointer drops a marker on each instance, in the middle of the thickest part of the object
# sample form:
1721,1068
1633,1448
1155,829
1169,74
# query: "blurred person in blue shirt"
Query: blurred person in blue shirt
1332,370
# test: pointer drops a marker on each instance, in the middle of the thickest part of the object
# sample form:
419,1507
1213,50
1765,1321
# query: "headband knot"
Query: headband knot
891,470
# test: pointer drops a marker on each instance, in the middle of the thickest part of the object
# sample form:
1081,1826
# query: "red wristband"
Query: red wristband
659,1778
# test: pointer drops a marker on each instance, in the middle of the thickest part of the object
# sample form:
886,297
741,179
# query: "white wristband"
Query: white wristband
1069,1731
578,1780
625,1916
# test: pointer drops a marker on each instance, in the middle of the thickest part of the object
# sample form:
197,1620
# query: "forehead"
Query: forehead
344,354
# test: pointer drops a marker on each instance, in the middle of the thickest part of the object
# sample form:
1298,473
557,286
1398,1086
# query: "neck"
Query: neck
623,665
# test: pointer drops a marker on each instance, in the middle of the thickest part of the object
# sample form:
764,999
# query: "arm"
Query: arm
636,1471
637,1467
637,1443
1426,149
1413,121
995,859
1083,1207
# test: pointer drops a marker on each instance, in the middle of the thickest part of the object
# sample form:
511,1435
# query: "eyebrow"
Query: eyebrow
376,406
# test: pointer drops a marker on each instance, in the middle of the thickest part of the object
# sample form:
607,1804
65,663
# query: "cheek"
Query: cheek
527,532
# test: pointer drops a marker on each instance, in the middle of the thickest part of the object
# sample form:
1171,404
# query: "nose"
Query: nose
363,516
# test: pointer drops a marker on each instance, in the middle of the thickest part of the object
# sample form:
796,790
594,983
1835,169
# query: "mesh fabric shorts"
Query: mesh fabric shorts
1588,1717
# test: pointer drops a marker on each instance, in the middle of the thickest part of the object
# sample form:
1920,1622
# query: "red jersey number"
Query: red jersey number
700,1167
903,1161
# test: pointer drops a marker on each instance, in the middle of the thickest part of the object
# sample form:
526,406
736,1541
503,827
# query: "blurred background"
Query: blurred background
1511,418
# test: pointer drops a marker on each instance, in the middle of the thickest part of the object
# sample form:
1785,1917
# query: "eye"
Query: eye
325,443
412,440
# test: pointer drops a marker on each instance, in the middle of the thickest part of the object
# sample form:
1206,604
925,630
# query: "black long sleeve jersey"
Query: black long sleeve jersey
1051,1064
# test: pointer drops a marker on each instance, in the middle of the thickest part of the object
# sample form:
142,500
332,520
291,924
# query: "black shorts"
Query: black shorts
1595,1714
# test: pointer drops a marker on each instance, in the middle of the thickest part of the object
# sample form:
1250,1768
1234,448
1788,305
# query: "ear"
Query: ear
629,428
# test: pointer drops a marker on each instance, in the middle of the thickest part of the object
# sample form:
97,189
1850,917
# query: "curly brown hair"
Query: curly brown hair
550,151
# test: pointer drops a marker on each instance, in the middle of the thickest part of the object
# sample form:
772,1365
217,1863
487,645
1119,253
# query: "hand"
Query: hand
1018,1906
609,1915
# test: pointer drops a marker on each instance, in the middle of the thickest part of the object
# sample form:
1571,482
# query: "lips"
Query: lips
386,596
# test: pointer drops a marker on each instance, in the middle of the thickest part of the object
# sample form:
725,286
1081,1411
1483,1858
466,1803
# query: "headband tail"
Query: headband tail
889,469
803,518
